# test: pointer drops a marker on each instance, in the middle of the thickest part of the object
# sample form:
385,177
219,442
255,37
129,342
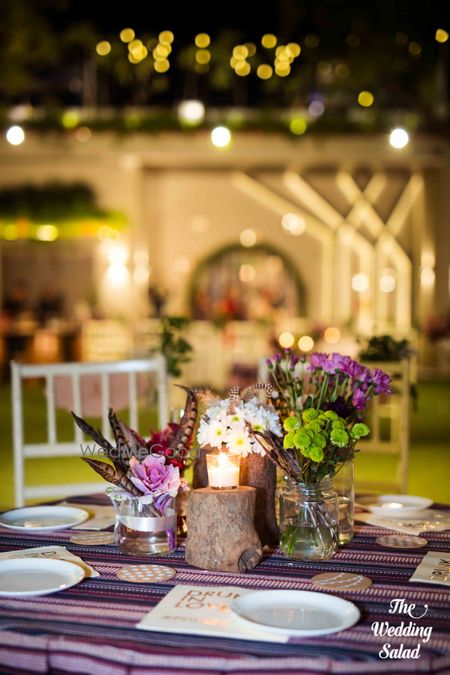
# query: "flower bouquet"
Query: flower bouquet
146,475
321,403
226,429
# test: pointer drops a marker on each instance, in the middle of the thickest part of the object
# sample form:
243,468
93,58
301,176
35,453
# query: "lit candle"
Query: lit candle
223,470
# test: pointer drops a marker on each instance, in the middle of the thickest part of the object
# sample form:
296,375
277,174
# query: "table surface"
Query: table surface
90,628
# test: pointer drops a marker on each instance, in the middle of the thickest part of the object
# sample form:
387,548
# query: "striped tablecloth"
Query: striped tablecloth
90,628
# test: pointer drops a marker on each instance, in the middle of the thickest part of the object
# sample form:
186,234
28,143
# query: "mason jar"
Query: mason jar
141,529
309,521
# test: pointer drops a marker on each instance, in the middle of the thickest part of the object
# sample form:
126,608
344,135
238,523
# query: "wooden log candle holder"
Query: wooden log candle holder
221,533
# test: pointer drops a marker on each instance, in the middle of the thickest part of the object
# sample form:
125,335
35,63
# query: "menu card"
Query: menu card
53,552
433,569
203,610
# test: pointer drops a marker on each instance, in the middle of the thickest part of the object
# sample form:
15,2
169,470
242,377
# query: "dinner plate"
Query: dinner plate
395,506
21,577
300,613
44,518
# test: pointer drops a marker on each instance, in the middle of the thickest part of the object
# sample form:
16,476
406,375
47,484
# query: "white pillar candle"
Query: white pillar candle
223,470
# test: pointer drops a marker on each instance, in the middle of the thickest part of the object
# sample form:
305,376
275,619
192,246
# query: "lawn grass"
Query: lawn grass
429,451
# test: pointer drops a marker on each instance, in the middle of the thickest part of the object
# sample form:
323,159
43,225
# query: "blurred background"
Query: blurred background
279,175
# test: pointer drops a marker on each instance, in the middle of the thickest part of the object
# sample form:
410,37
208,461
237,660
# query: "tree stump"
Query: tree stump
259,471
221,533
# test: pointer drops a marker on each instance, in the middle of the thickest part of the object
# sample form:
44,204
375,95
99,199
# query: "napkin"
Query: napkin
53,552
100,517
430,521
203,610
434,568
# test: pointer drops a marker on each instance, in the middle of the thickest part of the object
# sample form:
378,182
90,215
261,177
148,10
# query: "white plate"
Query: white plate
395,506
44,518
300,613
22,577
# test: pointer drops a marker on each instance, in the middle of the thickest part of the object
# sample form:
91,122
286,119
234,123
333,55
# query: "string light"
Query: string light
202,40
269,41
220,137
127,35
246,273
441,35
242,68
316,108
240,52
365,98
161,66
103,48
264,71
399,138
166,37
15,135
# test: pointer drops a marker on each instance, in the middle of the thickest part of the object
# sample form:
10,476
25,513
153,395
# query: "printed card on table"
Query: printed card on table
203,610
433,569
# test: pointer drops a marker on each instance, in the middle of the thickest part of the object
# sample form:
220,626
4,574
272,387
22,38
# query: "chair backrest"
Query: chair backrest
65,387
389,421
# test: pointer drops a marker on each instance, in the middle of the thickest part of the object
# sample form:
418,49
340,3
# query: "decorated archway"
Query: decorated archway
246,283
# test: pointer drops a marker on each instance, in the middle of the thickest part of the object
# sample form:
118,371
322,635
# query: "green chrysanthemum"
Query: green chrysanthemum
339,437
320,440
288,441
314,426
309,415
316,453
359,430
291,423
331,415
339,424
302,438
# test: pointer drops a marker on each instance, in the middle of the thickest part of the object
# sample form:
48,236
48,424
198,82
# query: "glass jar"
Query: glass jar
141,529
344,486
309,521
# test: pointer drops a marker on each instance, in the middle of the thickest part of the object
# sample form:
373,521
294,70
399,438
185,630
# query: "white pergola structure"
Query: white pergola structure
361,230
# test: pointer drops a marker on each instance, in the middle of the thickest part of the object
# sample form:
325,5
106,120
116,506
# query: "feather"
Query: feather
114,476
95,434
273,446
248,391
121,479
183,438
124,449
132,437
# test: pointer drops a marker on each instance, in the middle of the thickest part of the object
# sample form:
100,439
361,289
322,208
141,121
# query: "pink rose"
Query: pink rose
154,476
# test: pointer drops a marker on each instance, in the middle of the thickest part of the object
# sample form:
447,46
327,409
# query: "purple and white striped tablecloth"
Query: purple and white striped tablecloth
90,628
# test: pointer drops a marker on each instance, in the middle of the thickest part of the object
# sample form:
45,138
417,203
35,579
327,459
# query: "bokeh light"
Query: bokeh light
399,138
286,340
248,238
15,135
360,282
306,343
220,137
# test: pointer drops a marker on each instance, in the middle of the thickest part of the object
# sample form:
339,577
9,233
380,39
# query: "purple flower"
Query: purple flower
381,381
154,476
340,407
359,399
317,361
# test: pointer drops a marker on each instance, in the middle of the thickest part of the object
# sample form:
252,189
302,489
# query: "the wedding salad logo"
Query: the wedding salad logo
407,629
